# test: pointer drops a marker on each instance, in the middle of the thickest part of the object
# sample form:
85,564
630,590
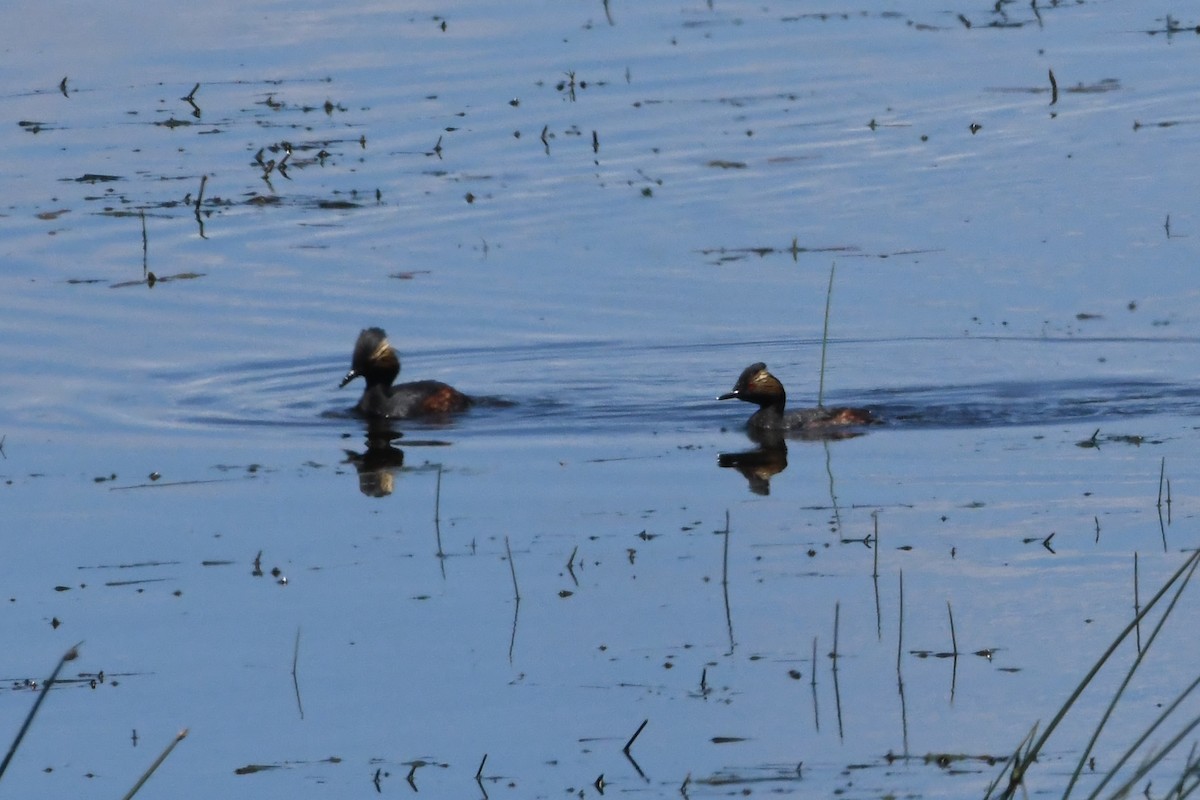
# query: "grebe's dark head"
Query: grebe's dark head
756,385
374,359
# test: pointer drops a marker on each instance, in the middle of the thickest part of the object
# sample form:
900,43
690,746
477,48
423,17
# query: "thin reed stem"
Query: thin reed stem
837,619
1022,763
1137,661
953,638
179,737
1135,599
145,244
633,738
875,565
900,630
825,337
512,567
814,663
70,655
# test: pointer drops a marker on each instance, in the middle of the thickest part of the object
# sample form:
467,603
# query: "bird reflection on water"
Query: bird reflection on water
378,464
770,457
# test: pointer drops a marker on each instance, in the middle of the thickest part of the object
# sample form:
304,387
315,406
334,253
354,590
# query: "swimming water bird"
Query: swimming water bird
756,385
376,361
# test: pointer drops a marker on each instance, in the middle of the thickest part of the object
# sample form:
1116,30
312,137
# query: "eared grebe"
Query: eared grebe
377,362
756,385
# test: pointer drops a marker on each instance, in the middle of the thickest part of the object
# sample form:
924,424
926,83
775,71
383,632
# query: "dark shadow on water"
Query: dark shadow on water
1009,403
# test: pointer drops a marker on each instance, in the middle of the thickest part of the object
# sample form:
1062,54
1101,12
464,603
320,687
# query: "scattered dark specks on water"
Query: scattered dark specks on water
93,177
1115,438
1106,85
1134,440
250,769
151,279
